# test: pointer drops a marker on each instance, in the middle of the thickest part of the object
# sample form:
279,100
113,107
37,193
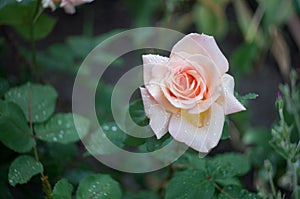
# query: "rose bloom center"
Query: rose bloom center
187,83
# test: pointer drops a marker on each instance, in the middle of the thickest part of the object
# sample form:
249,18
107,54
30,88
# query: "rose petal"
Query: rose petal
159,120
204,104
189,46
210,75
205,45
231,104
202,139
149,61
210,45
148,100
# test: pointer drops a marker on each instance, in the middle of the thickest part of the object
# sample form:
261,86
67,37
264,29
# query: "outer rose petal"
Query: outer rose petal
48,3
210,45
154,70
231,104
150,61
69,9
202,44
159,118
69,5
148,101
204,138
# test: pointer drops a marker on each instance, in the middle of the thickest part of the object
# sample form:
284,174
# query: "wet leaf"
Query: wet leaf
37,101
190,184
98,186
62,190
14,130
22,169
61,128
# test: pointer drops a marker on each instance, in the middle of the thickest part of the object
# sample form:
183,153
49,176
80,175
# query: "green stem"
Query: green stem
297,119
269,169
36,14
295,184
45,182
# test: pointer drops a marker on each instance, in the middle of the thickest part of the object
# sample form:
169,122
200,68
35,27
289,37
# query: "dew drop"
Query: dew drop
105,127
36,117
54,139
19,95
94,186
44,112
59,122
114,128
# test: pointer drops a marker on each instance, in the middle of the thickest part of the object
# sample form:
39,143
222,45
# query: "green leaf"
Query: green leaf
142,11
114,133
249,96
243,58
154,144
191,161
141,195
209,21
22,169
284,10
36,101
251,35
22,18
61,128
190,184
229,165
98,186
137,113
233,191
42,28
3,3
14,131
62,153
229,181
62,190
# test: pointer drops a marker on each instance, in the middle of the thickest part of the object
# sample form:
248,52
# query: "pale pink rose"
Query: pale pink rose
189,93
69,5
48,4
